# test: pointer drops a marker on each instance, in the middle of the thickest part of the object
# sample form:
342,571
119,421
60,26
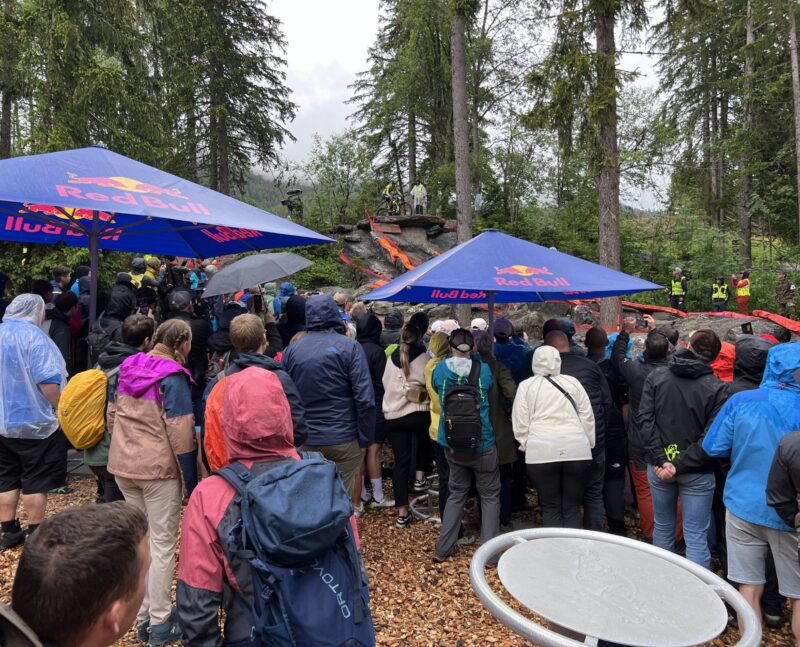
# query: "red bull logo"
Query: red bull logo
528,277
65,213
21,225
125,184
522,270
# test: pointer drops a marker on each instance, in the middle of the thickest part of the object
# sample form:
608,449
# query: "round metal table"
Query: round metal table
606,587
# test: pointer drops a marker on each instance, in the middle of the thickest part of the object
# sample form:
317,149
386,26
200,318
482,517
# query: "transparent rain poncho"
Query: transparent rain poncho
28,357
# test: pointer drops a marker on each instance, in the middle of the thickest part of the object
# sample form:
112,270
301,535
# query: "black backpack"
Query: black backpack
101,336
461,409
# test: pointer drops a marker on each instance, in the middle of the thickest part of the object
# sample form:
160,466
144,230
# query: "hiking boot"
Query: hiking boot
164,634
773,621
403,522
385,502
12,537
143,631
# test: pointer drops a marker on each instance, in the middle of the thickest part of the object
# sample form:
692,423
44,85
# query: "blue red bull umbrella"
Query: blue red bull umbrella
494,267
95,198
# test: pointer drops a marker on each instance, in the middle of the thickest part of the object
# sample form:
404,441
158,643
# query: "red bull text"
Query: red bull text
528,277
21,224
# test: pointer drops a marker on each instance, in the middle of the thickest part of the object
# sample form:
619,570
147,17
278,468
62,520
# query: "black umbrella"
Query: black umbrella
254,270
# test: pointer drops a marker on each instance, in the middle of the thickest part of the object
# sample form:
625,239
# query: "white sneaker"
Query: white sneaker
385,502
358,510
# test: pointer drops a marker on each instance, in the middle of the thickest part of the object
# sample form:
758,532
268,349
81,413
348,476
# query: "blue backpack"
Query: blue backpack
295,533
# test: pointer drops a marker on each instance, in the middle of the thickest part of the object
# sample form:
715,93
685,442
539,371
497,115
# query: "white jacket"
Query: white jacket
546,425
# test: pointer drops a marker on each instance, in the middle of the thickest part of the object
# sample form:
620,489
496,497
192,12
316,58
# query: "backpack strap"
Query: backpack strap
237,475
474,373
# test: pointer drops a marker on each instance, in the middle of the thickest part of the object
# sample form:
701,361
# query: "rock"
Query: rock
414,220
584,315
727,328
342,229
352,238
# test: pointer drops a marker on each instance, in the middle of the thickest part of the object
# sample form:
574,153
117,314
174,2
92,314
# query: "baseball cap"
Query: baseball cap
479,324
462,340
503,328
380,308
179,300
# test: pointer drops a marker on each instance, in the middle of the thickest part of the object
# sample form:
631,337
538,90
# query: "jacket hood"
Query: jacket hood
685,363
296,310
138,265
368,328
287,289
546,361
439,345
141,372
256,418
121,302
783,361
393,319
751,358
246,360
84,285
413,353
322,313
114,354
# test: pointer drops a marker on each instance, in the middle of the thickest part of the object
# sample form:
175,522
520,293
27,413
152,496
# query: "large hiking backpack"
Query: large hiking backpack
461,412
82,407
309,585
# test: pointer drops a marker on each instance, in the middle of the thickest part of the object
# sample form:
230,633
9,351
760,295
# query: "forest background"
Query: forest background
553,126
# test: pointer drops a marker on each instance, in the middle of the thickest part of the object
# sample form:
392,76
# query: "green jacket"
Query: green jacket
503,391
13,630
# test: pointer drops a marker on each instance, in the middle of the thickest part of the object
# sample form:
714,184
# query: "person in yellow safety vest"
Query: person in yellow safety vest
719,295
420,196
742,288
678,289
386,196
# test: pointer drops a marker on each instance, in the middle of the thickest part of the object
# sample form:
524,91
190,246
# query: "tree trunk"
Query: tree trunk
398,170
5,125
412,148
796,95
224,155
461,140
608,154
745,225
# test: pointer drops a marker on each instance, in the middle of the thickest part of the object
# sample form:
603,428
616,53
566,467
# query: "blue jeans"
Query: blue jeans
697,493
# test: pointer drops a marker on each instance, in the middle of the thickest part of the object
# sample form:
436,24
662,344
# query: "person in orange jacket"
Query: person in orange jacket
742,289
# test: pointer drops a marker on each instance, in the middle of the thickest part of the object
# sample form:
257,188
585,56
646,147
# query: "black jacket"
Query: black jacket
246,360
634,373
121,302
678,403
295,319
60,334
368,334
198,354
594,383
750,362
783,484
615,422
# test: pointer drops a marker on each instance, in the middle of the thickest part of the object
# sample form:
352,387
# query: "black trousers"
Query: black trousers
560,487
401,433
106,484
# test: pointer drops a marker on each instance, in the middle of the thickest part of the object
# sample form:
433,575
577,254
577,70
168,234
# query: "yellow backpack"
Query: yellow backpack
82,408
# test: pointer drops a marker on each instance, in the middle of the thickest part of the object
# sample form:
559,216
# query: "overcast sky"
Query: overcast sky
327,43
327,47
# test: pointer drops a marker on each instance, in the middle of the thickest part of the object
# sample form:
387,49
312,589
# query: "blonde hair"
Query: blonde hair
247,333
171,334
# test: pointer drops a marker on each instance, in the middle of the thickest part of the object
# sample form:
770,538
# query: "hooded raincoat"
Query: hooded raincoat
28,358
749,428
256,428
546,425
153,421
332,376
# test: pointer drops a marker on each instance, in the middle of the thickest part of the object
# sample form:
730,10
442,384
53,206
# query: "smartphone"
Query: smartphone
747,328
